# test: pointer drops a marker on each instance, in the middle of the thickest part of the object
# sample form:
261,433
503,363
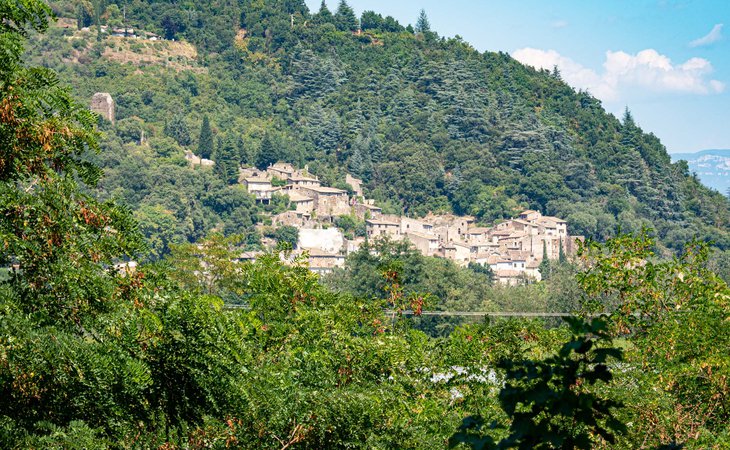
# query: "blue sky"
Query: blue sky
667,60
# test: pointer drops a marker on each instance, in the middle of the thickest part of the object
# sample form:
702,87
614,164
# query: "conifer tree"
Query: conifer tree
544,267
268,154
205,141
562,259
345,18
422,24
324,15
226,160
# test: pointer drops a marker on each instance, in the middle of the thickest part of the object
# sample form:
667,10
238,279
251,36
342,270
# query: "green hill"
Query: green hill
429,123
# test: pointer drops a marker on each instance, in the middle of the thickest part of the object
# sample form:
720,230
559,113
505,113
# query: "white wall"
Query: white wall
329,240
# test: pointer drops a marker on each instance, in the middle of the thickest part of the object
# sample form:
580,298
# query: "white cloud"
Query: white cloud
623,73
713,36
559,24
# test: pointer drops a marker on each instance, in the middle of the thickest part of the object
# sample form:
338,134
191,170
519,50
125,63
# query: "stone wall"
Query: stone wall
103,104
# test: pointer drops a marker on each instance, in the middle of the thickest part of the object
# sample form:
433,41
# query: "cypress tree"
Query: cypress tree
226,160
562,259
205,141
545,263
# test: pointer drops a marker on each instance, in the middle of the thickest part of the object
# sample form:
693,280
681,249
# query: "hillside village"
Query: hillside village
513,249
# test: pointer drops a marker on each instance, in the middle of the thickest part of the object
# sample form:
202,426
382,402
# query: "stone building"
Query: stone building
328,201
355,183
375,228
281,170
294,219
427,244
301,181
194,160
322,263
302,203
367,210
408,225
261,188
103,104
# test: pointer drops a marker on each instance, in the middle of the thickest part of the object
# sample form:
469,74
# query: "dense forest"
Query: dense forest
429,123
97,354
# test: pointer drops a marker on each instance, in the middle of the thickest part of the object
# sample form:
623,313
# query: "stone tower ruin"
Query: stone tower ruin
103,104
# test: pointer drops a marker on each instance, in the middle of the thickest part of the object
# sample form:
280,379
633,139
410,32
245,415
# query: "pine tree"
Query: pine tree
345,18
325,129
556,73
324,15
205,140
422,24
268,153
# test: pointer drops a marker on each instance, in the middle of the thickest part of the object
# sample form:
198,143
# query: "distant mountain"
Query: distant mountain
711,166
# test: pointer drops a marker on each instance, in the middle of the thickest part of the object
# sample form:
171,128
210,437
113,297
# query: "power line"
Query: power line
483,313
389,312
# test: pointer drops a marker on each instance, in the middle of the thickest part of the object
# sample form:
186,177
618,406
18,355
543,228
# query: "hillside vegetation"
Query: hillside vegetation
429,123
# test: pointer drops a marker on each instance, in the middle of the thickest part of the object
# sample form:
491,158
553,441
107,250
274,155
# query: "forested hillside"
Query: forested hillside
429,123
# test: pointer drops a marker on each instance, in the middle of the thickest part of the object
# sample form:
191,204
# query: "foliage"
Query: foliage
287,234
551,403
672,310
205,139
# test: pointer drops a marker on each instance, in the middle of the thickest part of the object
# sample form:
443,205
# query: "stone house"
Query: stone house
328,201
478,248
376,227
510,277
477,234
355,183
458,252
302,203
194,160
322,263
261,188
449,228
302,181
294,219
532,270
254,184
353,245
366,211
427,244
408,225
281,170
554,226
530,215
